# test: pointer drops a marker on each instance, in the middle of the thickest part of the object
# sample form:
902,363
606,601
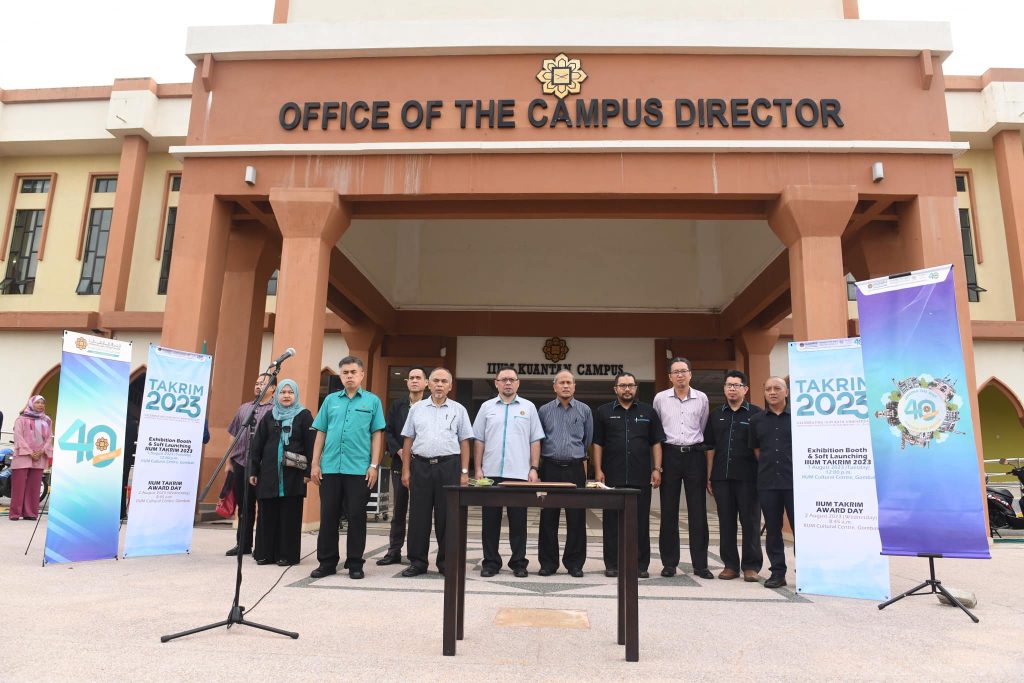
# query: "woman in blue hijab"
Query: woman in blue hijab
280,457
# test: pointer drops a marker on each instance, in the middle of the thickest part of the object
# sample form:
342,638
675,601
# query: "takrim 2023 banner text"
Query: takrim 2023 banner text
88,454
926,460
166,476
836,526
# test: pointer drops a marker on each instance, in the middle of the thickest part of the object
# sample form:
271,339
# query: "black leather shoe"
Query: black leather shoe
285,563
414,571
644,574
389,559
233,552
611,573
704,573
668,572
775,581
544,571
322,571
520,573
355,573
576,573
487,572
263,561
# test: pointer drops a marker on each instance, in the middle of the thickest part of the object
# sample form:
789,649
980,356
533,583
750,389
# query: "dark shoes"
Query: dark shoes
728,574
413,571
389,559
775,581
285,563
520,573
611,573
576,573
487,572
263,561
644,574
668,572
750,576
703,573
322,571
234,551
544,571
355,573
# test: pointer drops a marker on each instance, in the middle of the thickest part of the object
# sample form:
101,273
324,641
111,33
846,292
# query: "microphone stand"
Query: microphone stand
237,613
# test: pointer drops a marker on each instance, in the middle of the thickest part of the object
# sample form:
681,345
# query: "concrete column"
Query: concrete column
252,257
311,222
810,221
197,270
756,344
1009,157
121,242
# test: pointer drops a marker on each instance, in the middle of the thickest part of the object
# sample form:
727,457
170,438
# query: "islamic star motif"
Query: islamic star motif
561,76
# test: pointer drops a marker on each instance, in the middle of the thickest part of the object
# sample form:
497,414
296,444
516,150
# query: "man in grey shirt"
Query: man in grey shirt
508,434
569,429
436,447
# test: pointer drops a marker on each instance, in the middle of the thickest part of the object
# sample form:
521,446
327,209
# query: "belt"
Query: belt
687,449
435,461
562,463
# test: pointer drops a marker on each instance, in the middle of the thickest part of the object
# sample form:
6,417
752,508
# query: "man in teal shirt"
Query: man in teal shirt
349,444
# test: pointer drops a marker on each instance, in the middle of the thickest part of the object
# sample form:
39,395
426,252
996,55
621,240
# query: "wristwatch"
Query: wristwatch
534,468
465,471
659,469
373,465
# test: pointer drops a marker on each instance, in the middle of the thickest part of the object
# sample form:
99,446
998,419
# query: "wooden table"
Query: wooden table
459,498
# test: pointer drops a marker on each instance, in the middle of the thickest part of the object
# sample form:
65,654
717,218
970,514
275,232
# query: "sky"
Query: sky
55,43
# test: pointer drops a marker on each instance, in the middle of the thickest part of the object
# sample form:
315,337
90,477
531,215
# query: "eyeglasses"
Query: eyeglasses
625,386
680,372
507,380
735,386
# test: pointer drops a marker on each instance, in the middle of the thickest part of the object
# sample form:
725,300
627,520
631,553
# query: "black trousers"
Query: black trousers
244,535
689,472
609,525
427,499
738,498
400,495
491,534
575,520
334,488
279,533
773,503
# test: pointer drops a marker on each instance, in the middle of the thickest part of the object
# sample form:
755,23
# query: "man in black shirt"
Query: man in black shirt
732,478
416,382
771,437
627,452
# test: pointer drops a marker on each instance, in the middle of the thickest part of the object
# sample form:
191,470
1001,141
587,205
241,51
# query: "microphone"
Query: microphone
288,353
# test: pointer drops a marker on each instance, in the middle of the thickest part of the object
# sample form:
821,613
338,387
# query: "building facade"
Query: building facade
520,186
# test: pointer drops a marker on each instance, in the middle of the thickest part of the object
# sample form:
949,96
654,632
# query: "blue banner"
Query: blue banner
836,525
170,446
85,503
926,460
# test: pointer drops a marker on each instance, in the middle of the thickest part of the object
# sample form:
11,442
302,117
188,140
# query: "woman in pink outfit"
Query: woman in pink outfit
33,450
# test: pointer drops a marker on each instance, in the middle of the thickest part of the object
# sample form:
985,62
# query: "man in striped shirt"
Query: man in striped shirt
569,429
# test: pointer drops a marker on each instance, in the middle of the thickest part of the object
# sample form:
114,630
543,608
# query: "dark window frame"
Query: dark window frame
23,258
94,256
37,185
104,184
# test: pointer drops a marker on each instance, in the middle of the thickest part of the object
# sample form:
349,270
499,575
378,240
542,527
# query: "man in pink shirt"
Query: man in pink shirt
684,414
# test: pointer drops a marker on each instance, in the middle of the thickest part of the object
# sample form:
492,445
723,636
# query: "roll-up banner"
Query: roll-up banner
167,458
833,476
85,503
926,460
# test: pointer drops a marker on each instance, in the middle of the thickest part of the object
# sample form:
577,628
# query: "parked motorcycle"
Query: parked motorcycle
6,457
1001,511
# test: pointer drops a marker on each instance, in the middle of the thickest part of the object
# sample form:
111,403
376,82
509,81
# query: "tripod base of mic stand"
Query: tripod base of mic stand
936,589
235,617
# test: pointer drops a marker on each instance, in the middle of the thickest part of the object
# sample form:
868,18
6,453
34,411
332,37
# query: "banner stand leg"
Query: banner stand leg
237,613
936,588
39,518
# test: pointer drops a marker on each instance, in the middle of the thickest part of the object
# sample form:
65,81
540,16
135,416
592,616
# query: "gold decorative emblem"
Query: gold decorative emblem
81,344
561,76
555,349
102,444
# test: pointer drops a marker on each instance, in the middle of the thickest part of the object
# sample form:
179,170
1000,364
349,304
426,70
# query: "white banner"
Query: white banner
167,459
838,548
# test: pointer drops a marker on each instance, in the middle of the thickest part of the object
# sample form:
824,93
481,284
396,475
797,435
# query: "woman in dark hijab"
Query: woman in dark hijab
280,458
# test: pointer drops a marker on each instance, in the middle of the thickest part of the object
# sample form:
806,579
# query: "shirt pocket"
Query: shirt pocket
359,418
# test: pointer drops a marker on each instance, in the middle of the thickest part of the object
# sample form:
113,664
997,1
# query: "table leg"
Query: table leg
628,569
451,578
621,592
462,526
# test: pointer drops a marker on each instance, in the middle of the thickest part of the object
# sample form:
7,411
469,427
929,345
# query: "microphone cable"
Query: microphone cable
249,611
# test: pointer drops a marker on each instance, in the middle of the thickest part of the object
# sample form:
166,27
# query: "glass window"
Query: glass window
165,260
175,183
851,287
272,284
961,183
35,185
970,266
95,256
105,185
24,255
